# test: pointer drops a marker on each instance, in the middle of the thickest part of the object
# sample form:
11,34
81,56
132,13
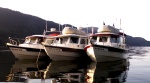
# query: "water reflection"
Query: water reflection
111,72
69,72
23,70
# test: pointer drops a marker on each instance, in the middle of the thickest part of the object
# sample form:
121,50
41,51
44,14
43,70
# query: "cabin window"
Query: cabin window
56,40
122,40
27,40
33,40
114,40
87,41
94,39
37,40
63,40
82,41
49,41
103,39
74,40
40,40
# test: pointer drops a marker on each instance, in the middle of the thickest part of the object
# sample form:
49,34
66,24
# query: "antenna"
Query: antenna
87,28
92,29
120,23
62,27
113,25
103,23
46,25
59,26
122,30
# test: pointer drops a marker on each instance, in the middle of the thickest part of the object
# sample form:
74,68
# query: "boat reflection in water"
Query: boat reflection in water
23,70
70,72
111,72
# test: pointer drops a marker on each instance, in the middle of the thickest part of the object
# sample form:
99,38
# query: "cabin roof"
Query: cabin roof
37,36
108,34
108,28
71,35
105,34
32,36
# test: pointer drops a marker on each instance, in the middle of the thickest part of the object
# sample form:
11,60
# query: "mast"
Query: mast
122,32
120,23
103,23
87,28
46,25
92,30
62,27
59,26
113,25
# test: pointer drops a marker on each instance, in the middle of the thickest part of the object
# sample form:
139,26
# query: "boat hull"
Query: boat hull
28,53
57,53
100,53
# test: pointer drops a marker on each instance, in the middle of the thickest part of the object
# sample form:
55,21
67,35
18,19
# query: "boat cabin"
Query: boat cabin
109,36
34,39
70,40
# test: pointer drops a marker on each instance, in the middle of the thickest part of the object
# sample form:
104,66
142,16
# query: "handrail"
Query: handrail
15,41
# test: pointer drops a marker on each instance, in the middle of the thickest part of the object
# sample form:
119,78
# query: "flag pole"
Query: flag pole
59,26
87,28
120,23
46,25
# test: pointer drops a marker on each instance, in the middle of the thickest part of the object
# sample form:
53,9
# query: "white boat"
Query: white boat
32,47
108,44
67,46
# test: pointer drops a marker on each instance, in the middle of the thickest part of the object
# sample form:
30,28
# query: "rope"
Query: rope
38,57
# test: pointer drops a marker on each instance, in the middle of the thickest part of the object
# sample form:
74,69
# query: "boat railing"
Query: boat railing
15,41
118,45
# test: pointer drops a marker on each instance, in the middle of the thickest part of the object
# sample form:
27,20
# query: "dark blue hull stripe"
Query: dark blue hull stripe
112,49
65,49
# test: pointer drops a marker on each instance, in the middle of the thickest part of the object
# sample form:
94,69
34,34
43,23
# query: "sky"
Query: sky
134,14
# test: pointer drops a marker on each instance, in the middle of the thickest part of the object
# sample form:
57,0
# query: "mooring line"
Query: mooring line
38,57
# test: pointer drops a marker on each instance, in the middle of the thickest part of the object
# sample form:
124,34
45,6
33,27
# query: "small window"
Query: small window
114,40
103,39
56,40
122,40
94,39
27,40
63,40
49,41
40,40
33,40
82,41
74,40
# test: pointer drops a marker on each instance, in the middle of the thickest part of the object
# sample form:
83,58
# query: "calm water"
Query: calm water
136,69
